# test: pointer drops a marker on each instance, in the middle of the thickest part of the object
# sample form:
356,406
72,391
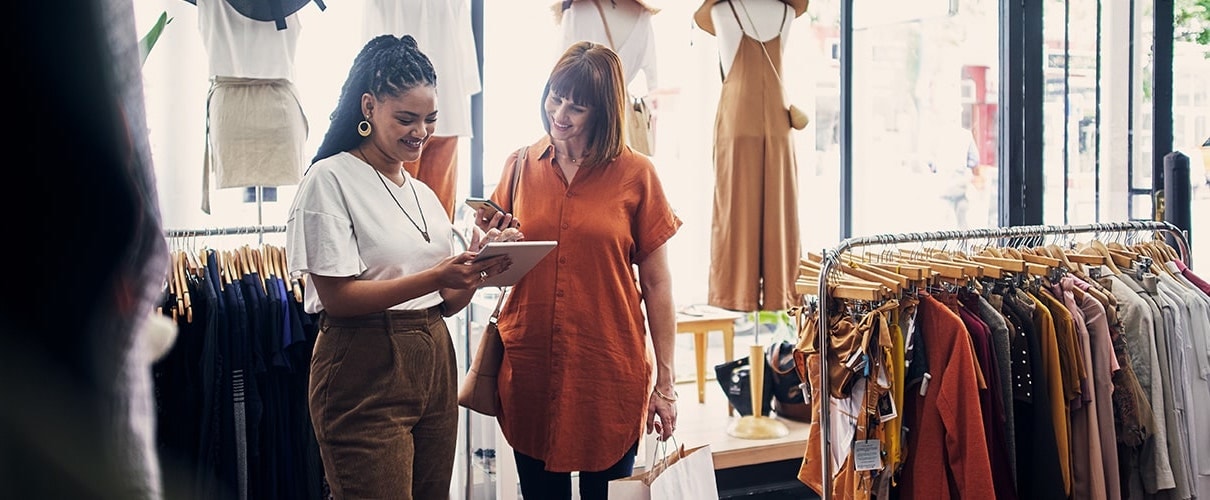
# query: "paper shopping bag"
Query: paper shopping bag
682,475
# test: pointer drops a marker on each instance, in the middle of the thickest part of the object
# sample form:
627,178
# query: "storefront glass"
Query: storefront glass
925,126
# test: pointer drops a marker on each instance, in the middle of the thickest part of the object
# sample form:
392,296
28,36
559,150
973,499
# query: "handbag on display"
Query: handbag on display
790,399
480,391
640,133
735,377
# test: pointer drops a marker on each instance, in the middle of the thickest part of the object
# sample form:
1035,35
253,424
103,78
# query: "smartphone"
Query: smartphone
477,203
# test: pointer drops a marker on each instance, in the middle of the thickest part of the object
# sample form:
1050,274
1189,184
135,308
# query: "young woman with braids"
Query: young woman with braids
377,249
581,379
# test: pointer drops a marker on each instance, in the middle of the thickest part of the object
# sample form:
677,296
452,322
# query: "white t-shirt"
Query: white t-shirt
242,47
343,222
761,20
442,29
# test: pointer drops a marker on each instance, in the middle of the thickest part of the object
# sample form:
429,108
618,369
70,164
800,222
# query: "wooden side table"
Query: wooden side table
701,323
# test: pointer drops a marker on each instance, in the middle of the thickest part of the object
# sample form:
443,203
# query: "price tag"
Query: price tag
867,455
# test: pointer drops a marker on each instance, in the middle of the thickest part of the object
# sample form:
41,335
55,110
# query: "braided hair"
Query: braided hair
386,66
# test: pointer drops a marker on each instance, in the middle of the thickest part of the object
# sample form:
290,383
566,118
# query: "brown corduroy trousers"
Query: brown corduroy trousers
383,404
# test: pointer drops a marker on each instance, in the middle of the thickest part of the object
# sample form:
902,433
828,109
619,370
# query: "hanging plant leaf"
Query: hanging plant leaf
152,36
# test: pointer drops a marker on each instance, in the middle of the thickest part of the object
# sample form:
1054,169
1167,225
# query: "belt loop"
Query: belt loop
388,318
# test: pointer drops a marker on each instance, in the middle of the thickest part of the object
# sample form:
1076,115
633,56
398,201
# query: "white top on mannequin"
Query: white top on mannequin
242,47
763,25
629,25
443,31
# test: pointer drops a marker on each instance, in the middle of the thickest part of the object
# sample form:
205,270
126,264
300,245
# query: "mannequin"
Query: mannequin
630,28
256,130
442,29
766,22
624,26
755,245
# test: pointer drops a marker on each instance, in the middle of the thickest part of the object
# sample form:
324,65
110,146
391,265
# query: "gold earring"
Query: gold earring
364,128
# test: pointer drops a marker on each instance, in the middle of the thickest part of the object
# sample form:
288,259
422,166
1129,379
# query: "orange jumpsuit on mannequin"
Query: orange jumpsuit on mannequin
755,248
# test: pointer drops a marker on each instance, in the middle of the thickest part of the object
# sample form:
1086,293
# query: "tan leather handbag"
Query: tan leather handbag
480,391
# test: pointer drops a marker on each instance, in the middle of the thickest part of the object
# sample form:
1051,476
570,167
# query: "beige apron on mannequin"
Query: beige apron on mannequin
754,241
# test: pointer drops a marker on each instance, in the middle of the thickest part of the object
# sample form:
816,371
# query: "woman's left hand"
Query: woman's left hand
665,409
480,240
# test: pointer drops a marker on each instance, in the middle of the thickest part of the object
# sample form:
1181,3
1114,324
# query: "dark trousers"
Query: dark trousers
383,402
539,484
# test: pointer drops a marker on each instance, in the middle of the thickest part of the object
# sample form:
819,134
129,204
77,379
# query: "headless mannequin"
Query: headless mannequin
764,21
583,21
621,15
754,245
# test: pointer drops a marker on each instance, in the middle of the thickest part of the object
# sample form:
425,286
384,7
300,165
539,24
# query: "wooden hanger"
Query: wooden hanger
296,284
1085,258
941,268
973,269
988,269
1028,263
270,256
845,286
182,275
174,286
1009,265
1111,260
895,286
229,271
810,286
901,279
1032,255
912,272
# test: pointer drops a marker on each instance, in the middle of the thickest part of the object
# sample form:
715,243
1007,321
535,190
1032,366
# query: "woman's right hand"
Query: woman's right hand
462,271
487,218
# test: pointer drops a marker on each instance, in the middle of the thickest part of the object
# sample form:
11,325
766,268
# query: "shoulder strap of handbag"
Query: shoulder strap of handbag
605,23
512,197
499,305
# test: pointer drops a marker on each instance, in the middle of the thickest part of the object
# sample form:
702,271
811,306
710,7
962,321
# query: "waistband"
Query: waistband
390,319
235,81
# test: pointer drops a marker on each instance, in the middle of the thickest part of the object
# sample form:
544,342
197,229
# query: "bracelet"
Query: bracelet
661,395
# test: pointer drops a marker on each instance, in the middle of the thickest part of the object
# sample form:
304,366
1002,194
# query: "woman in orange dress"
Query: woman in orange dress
576,385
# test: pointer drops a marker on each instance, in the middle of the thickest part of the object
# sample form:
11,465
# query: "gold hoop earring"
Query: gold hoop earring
364,128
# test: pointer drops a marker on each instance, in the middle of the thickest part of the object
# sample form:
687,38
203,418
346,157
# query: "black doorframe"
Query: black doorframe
1022,95
476,177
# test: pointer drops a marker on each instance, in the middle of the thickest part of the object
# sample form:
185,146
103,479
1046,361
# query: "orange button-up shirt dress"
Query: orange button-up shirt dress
577,367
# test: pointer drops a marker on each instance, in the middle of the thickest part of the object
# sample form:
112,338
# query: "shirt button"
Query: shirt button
562,260
569,194
559,293
565,225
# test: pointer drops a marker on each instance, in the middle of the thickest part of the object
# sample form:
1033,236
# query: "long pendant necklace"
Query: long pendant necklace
423,232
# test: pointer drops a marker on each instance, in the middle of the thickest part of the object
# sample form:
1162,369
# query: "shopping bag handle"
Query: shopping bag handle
659,456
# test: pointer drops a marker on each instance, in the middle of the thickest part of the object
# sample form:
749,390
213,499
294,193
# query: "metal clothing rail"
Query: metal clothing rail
223,231
832,257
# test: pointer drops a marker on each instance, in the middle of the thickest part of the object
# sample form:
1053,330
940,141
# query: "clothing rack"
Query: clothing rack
260,231
832,256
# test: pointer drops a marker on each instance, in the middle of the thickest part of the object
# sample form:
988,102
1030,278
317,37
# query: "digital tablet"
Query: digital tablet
525,255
